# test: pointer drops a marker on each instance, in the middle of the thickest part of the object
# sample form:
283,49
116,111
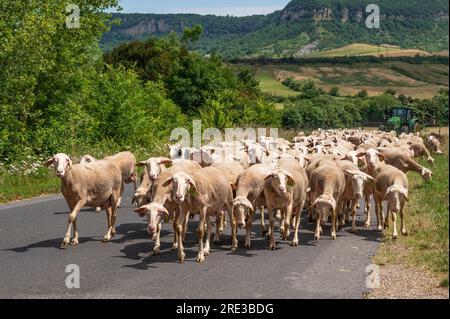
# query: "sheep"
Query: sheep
355,182
327,184
155,166
285,189
231,171
126,162
87,159
419,149
161,203
96,184
391,186
374,162
206,191
434,144
404,162
140,195
249,195
152,168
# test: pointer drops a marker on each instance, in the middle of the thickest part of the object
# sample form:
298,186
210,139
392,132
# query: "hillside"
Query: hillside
416,80
358,49
302,27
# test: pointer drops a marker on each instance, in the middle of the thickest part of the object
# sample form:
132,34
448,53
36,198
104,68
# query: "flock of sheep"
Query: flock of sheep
327,172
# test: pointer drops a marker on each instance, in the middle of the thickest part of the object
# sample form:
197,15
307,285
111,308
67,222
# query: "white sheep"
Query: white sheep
95,184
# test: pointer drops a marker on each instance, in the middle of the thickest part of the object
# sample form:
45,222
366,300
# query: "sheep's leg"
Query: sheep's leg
175,235
386,220
180,221
119,199
287,222
156,249
318,225
263,221
402,224
367,211
353,210
72,216
378,212
394,222
272,243
109,213
248,230
113,222
74,240
334,222
208,235
297,225
219,227
185,226
201,233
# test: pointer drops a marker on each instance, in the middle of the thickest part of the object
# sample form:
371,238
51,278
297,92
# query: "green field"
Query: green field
270,85
416,80
357,49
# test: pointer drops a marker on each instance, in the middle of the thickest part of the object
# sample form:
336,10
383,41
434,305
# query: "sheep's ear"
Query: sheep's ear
69,163
49,161
163,211
168,182
351,172
360,154
381,157
269,176
164,160
233,186
291,181
141,211
193,188
142,163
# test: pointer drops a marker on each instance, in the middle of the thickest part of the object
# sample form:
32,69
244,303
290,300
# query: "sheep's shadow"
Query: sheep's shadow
49,243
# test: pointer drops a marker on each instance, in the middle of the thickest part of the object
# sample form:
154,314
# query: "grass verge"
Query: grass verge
427,221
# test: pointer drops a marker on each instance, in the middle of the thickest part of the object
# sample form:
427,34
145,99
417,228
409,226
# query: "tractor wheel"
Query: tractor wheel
405,129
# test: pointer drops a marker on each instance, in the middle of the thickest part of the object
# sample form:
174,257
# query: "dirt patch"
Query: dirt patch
402,282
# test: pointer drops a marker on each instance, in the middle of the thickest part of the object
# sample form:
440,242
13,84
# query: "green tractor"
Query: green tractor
401,120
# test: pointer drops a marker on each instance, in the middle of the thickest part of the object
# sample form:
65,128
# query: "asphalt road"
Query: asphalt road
33,266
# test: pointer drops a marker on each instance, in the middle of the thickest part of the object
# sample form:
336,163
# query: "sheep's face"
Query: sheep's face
175,151
154,167
154,213
182,183
359,179
240,205
61,162
280,179
141,198
373,157
283,148
427,174
352,156
256,152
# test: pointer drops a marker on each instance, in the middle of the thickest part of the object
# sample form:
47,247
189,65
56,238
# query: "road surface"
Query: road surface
33,266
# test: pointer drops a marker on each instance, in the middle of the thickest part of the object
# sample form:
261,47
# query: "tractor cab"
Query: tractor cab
401,119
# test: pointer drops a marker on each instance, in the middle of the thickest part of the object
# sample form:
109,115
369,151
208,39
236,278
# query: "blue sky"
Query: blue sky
217,7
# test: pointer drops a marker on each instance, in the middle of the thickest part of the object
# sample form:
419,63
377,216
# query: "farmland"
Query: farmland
357,49
415,80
